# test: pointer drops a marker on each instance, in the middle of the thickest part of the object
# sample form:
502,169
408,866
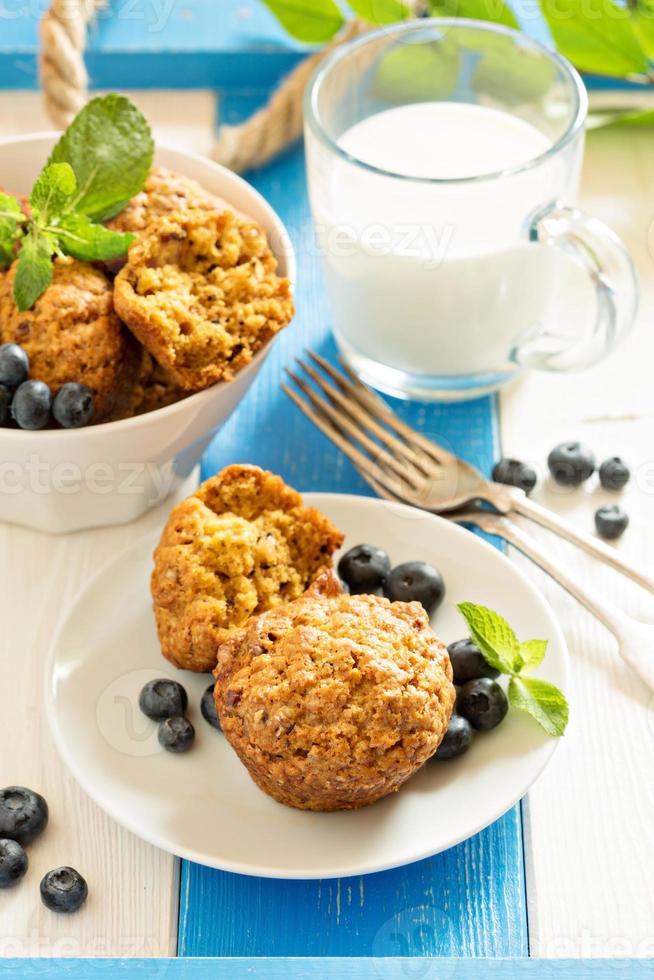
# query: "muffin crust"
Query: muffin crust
333,701
242,544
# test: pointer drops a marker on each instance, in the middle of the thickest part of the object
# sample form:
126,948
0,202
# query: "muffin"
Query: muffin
333,701
72,333
164,192
201,293
242,544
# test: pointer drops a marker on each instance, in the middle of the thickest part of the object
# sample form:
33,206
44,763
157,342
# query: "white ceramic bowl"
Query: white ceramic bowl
66,480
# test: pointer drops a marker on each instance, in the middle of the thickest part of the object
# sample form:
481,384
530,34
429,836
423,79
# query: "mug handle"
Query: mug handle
607,262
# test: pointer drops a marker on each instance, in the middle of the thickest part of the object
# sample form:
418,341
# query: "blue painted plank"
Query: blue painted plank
330,969
467,901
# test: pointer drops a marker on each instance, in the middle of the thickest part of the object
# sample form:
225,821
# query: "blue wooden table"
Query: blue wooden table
467,902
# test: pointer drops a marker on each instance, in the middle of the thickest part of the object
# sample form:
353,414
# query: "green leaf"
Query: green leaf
10,212
34,270
533,653
504,73
109,146
380,11
417,72
81,238
53,191
542,700
495,11
313,21
599,37
494,637
642,12
603,119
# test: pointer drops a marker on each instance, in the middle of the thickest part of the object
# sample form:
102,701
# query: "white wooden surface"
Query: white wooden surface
132,905
589,818
590,842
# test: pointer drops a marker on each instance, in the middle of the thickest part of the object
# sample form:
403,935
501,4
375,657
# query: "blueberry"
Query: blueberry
73,405
23,814
364,568
63,890
456,741
614,474
31,405
208,708
468,662
5,404
416,581
176,734
14,365
13,863
483,703
163,698
515,474
611,522
571,463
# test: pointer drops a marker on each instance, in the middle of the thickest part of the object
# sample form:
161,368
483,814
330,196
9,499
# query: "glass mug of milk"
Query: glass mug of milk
443,161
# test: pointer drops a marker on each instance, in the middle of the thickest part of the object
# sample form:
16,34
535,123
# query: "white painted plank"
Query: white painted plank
132,906
590,848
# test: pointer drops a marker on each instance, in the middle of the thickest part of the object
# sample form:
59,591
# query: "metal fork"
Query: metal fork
391,455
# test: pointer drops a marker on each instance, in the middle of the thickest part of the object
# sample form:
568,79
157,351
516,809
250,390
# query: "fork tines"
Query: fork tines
384,449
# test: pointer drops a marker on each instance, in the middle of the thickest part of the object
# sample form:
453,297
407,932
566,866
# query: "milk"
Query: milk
429,278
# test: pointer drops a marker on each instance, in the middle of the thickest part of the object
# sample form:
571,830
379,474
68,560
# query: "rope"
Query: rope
250,144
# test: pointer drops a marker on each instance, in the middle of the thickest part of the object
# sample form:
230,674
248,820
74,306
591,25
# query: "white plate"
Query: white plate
203,805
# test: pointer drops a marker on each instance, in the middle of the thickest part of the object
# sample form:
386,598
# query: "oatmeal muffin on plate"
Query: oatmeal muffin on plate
72,333
333,701
201,293
242,544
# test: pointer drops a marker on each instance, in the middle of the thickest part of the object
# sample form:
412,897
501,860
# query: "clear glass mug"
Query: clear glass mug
446,288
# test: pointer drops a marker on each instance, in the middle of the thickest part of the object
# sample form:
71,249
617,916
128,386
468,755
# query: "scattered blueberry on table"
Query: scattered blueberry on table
571,464
13,863
468,662
14,365
23,814
364,568
456,741
416,581
72,407
611,522
483,703
63,890
163,698
176,734
614,474
515,473
31,405
208,708
5,404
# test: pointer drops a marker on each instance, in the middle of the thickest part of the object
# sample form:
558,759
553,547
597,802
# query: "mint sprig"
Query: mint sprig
100,163
501,649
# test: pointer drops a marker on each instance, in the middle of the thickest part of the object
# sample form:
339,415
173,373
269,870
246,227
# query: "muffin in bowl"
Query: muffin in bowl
333,701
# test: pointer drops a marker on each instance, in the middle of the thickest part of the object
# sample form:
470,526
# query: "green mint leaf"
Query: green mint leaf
533,652
10,212
600,38
81,238
642,12
603,118
380,11
109,146
542,700
53,191
495,11
417,72
34,270
312,21
494,637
